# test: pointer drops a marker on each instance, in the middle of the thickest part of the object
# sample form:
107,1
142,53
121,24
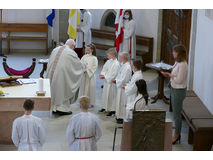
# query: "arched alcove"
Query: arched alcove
108,20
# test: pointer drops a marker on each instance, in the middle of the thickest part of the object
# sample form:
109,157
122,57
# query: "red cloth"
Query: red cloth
119,29
18,72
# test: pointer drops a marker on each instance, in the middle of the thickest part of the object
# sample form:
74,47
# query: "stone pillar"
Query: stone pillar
63,24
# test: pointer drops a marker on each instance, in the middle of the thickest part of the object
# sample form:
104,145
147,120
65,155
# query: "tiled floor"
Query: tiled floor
56,125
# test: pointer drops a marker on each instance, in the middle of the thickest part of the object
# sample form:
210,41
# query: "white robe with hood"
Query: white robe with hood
84,125
88,82
110,70
85,27
139,104
129,38
28,133
131,89
123,77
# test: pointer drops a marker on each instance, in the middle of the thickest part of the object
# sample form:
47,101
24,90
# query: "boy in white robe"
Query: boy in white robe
88,83
123,77
108,73
28,133
84,129
130,88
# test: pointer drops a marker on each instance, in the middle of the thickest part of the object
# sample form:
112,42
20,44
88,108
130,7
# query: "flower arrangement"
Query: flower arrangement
1,93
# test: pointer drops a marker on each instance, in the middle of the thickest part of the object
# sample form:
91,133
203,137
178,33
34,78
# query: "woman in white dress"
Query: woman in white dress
88,83
129,41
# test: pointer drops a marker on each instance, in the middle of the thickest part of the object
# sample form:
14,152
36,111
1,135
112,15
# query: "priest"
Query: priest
65,71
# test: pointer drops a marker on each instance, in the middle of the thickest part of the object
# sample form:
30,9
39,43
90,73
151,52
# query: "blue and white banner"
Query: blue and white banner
50,16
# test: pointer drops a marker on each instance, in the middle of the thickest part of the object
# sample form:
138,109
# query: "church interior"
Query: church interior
157,31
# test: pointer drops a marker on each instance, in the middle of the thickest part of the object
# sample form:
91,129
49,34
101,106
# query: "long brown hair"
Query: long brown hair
142,89
93,48
130,14
181,50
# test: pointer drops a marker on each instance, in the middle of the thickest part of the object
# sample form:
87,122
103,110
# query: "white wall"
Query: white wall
146,23
203,64
29,16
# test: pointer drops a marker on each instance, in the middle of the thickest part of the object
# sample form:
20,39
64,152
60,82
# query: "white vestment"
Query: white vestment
110,70
139,104
131,89
66,79
83,132
28,133
85,26
129,39
123,77
88,82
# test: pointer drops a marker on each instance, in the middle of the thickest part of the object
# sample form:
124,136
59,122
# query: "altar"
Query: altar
11,105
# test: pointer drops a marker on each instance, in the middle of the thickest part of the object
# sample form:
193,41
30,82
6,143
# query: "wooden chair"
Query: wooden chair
13,72
144,49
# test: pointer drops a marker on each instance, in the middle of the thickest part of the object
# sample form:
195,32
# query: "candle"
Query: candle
40,85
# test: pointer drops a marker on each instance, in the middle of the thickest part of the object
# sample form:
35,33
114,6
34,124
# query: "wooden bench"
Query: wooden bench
200,122
146,55
24,27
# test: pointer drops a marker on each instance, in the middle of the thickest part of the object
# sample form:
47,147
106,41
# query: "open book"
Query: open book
26,81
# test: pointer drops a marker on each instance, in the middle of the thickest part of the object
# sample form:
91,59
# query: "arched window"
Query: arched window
108,20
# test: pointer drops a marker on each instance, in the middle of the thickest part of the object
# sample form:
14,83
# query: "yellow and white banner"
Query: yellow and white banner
74,21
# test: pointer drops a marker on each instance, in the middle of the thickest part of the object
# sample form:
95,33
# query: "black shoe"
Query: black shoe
102,110
54,112
64,113
177,140
110,113
119,121
102,86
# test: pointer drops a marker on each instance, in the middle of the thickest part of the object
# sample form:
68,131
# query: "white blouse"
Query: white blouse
179,71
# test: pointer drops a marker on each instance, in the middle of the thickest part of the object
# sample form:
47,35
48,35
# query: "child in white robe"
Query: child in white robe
108,73
28,132
84,129
130,88
88,83
123,77
140,102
